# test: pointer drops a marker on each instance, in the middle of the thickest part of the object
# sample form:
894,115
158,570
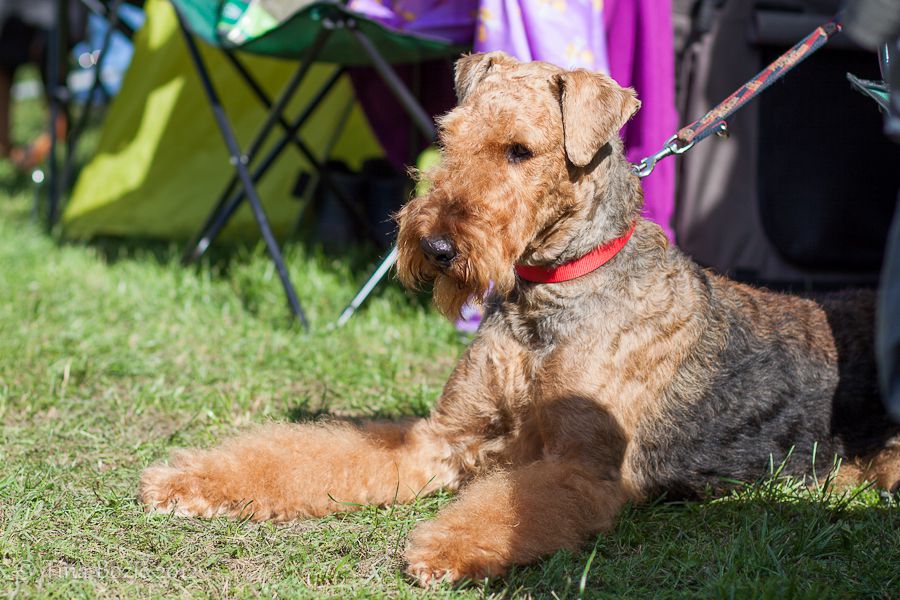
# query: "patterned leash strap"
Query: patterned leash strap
715,120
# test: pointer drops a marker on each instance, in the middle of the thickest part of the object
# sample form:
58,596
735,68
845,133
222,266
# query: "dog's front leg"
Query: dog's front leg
284,472
514,517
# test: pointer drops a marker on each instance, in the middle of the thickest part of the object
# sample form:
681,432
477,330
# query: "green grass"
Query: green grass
110,356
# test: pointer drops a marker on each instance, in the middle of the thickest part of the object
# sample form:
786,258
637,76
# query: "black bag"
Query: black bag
828,176
804,191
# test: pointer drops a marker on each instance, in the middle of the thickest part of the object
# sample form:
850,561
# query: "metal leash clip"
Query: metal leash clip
645,167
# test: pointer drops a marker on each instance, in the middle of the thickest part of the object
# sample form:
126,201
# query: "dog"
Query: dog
609,367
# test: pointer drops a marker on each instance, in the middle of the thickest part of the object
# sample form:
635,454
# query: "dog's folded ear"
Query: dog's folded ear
594,108
472,68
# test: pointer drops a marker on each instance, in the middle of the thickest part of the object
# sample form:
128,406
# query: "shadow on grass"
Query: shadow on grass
221,259
309,411
13,182
772,539
359,261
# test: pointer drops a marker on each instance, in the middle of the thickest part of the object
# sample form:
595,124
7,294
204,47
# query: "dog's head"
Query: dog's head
527,158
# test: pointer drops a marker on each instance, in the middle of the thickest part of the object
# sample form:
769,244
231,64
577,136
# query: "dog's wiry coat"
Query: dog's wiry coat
647,375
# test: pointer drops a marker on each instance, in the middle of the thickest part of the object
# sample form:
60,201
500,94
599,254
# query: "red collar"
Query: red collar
591,261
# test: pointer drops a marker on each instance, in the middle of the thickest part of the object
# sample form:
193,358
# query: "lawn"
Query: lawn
111,354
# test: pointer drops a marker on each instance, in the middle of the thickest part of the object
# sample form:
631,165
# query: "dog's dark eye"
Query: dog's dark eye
517,153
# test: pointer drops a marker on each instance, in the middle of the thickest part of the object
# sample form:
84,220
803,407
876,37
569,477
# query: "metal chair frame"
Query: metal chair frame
59,169
242,185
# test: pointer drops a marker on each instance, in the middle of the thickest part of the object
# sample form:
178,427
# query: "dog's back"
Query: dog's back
774,377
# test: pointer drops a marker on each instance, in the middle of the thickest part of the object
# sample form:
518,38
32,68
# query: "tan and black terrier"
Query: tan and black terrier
609,367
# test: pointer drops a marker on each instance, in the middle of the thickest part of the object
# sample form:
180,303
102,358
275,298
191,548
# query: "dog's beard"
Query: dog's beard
470,280
486,243
470,276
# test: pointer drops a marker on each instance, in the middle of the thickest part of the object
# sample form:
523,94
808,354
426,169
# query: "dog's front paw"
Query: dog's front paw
180,488
167,489
156,491
437,552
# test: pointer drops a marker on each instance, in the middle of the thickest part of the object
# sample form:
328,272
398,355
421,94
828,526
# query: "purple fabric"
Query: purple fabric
629,39
389,121
449,20
641,55
569,34
469,318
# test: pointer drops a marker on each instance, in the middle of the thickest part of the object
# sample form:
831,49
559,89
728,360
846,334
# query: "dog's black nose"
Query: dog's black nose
439,249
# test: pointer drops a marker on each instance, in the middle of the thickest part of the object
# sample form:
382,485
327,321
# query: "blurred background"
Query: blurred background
227,123
801,194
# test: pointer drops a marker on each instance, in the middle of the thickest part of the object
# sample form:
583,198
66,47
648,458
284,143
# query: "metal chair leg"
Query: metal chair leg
74,134
226,206
424,124
229,202
421,118
239,161
56,51
368,286
352,209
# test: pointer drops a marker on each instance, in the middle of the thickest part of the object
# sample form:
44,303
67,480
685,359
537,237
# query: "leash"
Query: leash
715,121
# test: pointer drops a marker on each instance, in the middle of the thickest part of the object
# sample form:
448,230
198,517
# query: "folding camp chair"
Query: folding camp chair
311,32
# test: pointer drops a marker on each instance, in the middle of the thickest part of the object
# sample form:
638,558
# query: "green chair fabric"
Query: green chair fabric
160,160
250,27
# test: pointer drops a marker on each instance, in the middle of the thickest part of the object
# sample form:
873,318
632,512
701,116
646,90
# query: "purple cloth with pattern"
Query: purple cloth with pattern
448,20
567,33
629,39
